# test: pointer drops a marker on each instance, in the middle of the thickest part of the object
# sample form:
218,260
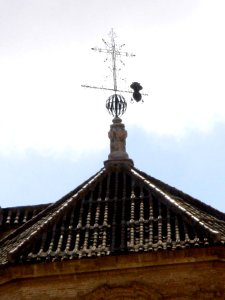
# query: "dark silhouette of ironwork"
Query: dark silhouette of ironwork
116,105
136,94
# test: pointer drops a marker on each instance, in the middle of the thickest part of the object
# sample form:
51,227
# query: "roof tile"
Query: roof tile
119,210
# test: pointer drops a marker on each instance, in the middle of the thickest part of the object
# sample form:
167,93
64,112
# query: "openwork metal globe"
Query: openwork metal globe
116,105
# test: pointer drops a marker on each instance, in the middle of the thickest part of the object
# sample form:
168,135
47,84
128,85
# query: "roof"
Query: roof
13,217
118,210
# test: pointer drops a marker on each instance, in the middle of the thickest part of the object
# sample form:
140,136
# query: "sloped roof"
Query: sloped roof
13,217
118,210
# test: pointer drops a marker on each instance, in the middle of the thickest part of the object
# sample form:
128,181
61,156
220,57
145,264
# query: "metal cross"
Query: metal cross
115,52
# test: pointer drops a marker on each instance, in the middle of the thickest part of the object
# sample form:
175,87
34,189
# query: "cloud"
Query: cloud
42,105
180,65
184,72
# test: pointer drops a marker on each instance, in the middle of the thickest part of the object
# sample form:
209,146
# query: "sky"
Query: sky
54,133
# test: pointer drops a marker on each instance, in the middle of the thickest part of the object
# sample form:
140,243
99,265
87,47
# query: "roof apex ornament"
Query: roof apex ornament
117,136
115,51
116,103
136,94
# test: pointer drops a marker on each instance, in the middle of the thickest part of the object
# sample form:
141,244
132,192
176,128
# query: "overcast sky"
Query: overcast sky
53,132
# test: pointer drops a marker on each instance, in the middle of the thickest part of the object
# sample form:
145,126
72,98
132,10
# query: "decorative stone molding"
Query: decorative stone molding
117,136
131,290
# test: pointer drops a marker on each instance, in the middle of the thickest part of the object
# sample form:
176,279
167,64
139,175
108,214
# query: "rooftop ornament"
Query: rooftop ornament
116,103
136,94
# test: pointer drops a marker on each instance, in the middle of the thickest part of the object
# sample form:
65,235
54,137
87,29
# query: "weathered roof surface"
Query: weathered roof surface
118,210
13,217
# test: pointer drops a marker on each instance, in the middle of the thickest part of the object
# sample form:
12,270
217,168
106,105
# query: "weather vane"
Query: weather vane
116,104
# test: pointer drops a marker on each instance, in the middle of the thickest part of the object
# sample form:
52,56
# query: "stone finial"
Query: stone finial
117,136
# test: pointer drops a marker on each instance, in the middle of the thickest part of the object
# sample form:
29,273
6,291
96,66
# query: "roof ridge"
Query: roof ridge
217,234
24,206
46,210
62,205
191,200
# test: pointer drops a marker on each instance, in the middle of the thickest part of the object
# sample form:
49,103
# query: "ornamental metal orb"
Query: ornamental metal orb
116,105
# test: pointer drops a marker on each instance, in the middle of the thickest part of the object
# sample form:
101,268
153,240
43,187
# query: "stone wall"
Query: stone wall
185,274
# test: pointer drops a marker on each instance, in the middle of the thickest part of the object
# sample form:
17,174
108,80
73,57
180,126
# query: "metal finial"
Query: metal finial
115,51
116,104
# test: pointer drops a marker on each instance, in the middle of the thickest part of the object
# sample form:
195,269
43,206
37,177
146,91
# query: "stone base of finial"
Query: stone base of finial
117,135
116,163
118,155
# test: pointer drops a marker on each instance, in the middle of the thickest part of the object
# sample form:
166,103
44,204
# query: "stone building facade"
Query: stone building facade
122,234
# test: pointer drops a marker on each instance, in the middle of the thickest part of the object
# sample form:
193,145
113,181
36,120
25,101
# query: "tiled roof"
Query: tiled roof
118,210
13,217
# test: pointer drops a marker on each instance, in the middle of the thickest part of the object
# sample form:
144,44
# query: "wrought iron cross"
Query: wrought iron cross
116,104
111,48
